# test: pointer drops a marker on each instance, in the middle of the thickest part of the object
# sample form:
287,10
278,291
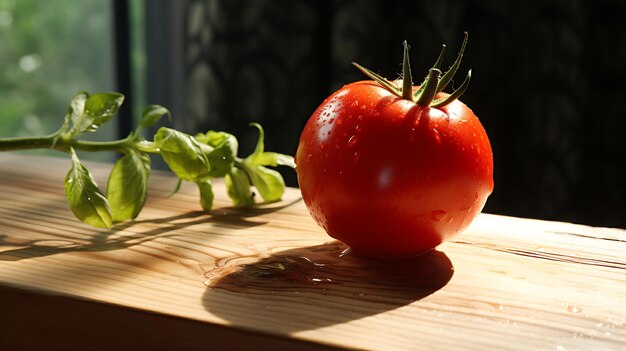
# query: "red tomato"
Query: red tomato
388,176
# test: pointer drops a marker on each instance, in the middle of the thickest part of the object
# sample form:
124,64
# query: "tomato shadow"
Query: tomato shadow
311,287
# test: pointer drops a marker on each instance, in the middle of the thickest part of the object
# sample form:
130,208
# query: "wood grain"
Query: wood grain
269,277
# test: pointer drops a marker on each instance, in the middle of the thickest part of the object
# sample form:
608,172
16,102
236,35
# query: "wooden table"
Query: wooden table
269,278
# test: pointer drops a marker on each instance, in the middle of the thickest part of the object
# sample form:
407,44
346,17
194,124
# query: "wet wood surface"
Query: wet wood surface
269,277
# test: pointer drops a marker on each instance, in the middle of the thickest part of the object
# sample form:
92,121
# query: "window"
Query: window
50,51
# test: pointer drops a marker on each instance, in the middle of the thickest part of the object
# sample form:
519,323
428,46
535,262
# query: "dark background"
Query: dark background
548,81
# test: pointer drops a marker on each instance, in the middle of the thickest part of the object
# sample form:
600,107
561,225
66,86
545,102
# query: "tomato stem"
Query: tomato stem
455,95
407,79
455,66
379,79
440,58
432,85
430,88
437,65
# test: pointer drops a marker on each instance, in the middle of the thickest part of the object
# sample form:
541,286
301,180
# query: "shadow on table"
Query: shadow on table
123,235
312,287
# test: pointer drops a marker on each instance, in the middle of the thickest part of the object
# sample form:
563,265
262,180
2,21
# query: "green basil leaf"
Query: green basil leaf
128,185
179,183
76,108
151,115
238,187
97,109
217,139
268,182
85,199
262,158
260,145
182,153
201,138
222,158
274,159
206,194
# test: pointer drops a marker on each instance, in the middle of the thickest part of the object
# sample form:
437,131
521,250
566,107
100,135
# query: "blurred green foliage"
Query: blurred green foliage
49,50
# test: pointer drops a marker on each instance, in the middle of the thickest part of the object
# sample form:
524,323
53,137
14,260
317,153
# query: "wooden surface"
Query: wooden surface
269,277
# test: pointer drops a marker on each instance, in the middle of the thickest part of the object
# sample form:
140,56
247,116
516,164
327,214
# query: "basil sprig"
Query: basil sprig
196,159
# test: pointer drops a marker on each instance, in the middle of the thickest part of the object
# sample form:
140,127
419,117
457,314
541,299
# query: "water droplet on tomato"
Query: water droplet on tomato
438,215
352,141
356,157
330,121
437,136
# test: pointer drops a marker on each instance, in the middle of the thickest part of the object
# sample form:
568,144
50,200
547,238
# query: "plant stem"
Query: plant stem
93,146
12,144
54,142
147,146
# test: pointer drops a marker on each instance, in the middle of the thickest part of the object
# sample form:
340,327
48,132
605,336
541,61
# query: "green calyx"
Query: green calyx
433,84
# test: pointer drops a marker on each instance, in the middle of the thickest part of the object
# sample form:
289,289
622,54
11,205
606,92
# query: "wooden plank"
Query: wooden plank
269,276
43,322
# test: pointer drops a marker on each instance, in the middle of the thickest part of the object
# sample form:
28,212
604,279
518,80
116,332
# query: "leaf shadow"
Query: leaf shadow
325,287
121,236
